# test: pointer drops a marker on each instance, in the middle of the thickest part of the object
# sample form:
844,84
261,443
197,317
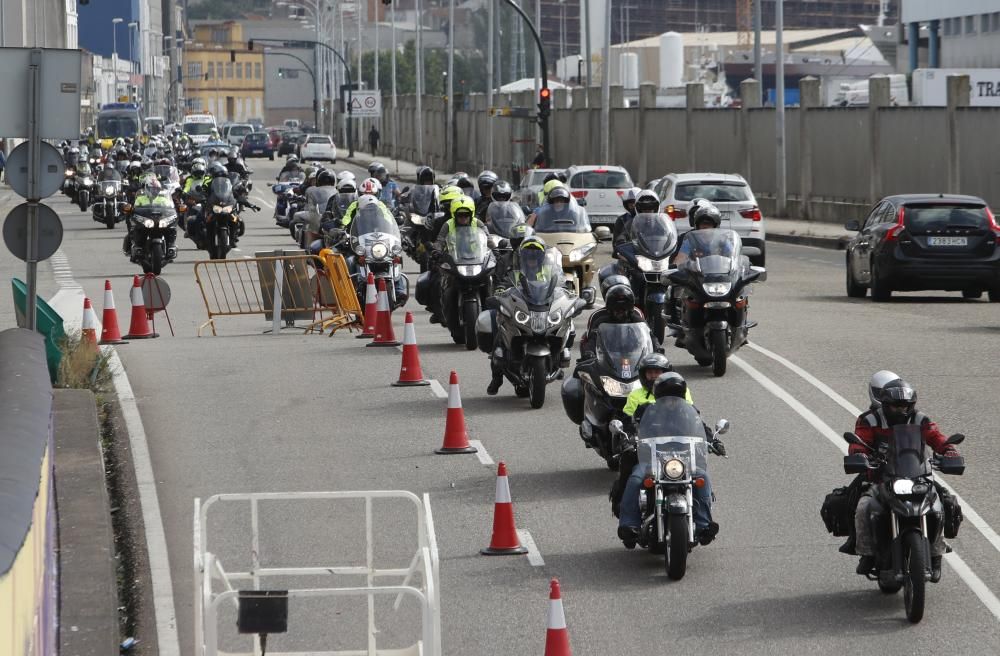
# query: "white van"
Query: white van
199,127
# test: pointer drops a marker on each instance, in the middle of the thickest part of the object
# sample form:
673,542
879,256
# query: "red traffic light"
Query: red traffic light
545,93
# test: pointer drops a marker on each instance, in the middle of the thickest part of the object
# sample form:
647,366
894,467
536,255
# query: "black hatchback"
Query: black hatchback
917,242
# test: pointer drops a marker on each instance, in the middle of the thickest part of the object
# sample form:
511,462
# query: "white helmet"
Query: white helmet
370,186
345,175
878,382
367,200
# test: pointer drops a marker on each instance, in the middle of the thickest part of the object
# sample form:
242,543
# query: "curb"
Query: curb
364,165
829,243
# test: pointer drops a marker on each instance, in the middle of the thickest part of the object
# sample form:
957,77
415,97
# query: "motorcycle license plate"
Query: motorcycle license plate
947,241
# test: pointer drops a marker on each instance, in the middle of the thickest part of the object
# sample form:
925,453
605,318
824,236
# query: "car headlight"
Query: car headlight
650,265
615,387
521,317
581,253
673,469
470,269
222,209
379,250
717,288
149,223
110,191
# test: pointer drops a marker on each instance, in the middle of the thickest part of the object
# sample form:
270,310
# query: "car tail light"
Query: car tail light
753,214
579,194
893,233
621,192
994,226
675,213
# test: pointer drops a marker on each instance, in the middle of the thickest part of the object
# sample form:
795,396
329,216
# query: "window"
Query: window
601,179
996,21
229,70
219,36
717,192
249,70
970,24
194,69
876,216
211,71
984,23
932,217
239,71
256,70
194,104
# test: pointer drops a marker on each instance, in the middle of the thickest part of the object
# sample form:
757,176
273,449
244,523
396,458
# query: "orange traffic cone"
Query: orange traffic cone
504,541
89,326
371,308
410,373
557,636
456,438
139,327
384,335
110,333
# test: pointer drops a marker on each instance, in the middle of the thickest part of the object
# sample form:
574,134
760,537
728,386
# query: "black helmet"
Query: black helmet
629,196
877,385
463,182
425,175
487,179
647,202
234,153
373,167
653,361
611,281
380,173
695,204
899,401
670,384
559,193
706,212
502,191
325,177
217,170
551,175
619,300
147,164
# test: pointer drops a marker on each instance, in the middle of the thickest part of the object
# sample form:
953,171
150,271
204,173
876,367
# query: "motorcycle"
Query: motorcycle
153,228
377,248
107,209
534,327
69,183
644,258
223,226
569,230
84,185
597,391
713,286
912,515
285,190
419,208
672,448
466,271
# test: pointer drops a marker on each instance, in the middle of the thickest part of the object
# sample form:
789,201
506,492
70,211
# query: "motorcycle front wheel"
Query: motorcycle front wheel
84,199
471,311
717,342
675,555
537,373
914,583
156,258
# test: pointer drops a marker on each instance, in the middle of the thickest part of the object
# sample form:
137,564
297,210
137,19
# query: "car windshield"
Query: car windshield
907,455
535,178
710,251
320,140
571,218
255,137
717,192
933,217
539,274
656,234
372,219
620,346
422,198
198,128
601,179
291,137
240,130
112,127
504,215
467,244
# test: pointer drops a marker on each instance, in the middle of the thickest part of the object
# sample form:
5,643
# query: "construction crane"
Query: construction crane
744,27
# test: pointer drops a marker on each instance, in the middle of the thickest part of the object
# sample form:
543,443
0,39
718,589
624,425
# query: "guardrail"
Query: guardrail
209,571
289,288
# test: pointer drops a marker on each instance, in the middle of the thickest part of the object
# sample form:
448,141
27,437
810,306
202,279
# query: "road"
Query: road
251,412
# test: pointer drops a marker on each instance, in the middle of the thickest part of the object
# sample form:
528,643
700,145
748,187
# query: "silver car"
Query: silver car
531,186
729,192
602,188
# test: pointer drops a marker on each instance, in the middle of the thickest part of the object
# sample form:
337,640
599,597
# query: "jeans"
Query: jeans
630,515
869,505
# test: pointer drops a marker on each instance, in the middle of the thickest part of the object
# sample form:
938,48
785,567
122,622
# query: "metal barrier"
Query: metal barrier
280,288
208,571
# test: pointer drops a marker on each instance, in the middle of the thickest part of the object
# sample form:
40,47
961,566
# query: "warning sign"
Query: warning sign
366,104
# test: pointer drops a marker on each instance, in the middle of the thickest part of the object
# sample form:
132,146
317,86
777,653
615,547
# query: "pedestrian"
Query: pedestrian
3,155
373,139
539,161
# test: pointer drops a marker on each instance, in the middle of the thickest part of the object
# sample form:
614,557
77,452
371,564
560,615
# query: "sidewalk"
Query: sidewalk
398,169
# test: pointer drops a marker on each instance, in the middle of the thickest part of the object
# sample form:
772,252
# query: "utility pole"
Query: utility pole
606,88
588,51
420,86
449,138
490,21
758,64
395,107
781,195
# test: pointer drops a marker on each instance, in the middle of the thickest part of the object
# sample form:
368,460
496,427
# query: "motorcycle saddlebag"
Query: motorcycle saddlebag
572,398
836,512
424,288
486,325
952,514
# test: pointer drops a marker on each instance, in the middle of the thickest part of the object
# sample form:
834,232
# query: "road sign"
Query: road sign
52,170
366,104
15,232
59,92
155,293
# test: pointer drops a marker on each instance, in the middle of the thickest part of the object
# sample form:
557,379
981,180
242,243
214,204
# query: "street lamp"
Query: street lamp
132,25
114,49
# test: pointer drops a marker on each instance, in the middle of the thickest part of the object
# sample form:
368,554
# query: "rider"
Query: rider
623,221
462,210
235,164
508,261
390,188
151,195
646,202
291,164
619,307
668,385
486,181
369,187
703,215
651,367
898,408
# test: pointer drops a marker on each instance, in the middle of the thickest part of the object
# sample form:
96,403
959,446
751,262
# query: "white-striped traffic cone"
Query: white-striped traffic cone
410,373
110,332
456,438
504,541
89,326
371,308
557,635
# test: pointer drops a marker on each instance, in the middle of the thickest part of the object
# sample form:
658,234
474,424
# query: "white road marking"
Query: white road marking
437,390
964,572
967,510
534,555
481,453
156,542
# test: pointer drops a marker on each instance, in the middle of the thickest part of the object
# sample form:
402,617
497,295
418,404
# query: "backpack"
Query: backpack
836,512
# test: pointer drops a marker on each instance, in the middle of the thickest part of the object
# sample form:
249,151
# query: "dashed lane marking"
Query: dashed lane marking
481,453
437,390
534,555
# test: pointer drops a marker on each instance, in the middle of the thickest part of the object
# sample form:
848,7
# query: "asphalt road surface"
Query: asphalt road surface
246,412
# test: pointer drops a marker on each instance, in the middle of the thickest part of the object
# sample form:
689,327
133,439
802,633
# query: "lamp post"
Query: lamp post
114,50
133,25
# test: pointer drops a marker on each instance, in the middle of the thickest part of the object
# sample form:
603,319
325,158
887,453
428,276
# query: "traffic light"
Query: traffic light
544,103
250,44
387,2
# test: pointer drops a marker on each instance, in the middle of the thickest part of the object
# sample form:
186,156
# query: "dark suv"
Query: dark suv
915,242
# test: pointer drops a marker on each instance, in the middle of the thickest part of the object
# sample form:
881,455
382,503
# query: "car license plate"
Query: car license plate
947,241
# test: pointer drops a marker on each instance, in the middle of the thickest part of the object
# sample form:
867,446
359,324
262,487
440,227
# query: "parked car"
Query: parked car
288,143
257,144
299,140
730,193
237,131
916,242
318,147
531,184
602,187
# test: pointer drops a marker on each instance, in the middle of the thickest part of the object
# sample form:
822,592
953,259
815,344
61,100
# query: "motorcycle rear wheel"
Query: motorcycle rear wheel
675,556
914,583
536,383
717,340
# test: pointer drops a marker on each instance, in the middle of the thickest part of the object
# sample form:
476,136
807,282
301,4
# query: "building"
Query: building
950,34
221,76
41,23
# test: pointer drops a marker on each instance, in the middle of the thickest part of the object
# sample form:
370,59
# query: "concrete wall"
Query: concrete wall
856,154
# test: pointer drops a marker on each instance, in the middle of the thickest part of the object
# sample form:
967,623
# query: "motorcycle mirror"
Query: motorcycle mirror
673,276
578,306
851,438
603,233
759,273
582,202
855,463
616,427
492,303
751,251
405,189
957,438
722,427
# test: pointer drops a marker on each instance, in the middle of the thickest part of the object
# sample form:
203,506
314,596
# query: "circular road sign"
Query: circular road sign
15,232
370,102
52,169
155,293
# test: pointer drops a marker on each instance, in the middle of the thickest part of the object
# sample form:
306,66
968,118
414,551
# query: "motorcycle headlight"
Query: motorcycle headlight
650,265
470,269
521,317
149,223
109,190
397,249
87,182
717,288
379,250
581,253
902,486
615,387
69,173
222,209
357,247
555,317
673,469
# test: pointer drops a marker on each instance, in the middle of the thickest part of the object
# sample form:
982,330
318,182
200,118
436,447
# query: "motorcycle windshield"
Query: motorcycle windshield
110,187
467,244
504,215
712,252
620,346
671,428
319,197
221,191
655,234
161,210
422,198
539,274
371,219
291,176
110,174
167,174
571,218
908,455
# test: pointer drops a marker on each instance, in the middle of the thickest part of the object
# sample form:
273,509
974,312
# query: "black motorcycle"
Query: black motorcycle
108,206
154,231
712,288
597,391
653,239
534,326
223,226
419,208
912,515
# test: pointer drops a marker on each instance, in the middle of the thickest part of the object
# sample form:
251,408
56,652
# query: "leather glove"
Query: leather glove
718,448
